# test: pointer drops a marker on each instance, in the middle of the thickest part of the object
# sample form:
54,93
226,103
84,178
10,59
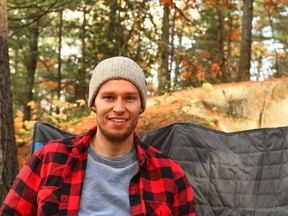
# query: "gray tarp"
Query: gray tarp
240,173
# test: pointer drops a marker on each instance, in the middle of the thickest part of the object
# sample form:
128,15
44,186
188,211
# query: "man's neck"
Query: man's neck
107,148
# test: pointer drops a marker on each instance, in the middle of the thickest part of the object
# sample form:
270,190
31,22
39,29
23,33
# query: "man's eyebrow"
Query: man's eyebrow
113,92
133,93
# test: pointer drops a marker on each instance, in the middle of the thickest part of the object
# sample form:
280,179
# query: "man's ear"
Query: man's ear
93,108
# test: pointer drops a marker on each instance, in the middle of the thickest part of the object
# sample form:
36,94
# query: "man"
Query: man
108,171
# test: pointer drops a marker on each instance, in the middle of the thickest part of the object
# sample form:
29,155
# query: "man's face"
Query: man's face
117,106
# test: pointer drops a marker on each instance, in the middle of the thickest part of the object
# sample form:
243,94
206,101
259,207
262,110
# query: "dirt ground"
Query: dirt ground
225,107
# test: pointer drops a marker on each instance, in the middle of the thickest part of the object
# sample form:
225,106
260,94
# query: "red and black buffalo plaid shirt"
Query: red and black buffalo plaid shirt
51,182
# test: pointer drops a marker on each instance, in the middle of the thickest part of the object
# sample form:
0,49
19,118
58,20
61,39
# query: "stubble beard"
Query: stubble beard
116,137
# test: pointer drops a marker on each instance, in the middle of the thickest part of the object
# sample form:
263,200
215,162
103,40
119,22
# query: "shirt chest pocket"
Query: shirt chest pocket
158,208
48,200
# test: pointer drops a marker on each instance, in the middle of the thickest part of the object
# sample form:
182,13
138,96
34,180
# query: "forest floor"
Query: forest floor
226,107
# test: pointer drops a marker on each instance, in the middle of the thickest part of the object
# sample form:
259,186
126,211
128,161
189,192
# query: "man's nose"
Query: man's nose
119,106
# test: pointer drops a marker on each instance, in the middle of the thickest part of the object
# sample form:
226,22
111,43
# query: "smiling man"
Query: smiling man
108,171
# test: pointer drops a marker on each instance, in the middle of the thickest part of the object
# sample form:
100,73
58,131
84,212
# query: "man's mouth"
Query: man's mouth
118,120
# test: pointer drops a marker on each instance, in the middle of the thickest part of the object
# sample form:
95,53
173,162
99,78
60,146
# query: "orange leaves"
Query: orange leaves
215,69
270,3
100,55
214,3
186,74
185,63
50,84
206,54
201,73
193,68
226,3
168,2
235,35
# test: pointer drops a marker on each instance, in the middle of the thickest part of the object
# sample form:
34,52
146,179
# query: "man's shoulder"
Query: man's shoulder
64,146
158,160
152,152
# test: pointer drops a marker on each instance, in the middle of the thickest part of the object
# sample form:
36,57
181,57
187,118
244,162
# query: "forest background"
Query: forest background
181,44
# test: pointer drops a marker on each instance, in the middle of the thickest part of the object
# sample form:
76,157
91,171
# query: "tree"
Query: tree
8,151
246,40
164,75
30,64
220,40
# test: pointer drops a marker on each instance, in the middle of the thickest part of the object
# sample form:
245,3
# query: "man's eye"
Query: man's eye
108,97
129,98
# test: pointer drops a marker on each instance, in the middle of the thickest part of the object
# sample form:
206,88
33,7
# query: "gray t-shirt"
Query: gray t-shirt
106,183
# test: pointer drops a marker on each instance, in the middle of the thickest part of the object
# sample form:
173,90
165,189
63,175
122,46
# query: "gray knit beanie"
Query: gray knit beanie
117,68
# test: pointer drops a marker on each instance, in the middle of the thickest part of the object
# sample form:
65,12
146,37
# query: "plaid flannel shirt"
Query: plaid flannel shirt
51,182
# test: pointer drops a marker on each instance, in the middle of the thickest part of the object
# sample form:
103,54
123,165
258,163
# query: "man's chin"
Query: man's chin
117,138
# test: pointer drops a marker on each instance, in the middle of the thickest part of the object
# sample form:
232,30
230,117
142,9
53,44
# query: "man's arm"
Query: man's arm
21,199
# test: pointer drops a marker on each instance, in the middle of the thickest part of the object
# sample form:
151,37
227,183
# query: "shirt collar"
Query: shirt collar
86,139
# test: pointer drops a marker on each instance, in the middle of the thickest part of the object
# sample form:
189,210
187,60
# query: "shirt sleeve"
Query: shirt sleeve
184,198
21,199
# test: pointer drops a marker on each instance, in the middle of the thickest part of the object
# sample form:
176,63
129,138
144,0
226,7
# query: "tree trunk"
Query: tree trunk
246,40
81,88
270,18
113,28
177,59
8,150
163,75
229,42
30,64
220,30
59,72
172,50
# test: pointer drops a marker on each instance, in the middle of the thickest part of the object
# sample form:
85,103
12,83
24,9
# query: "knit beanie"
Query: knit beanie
117,68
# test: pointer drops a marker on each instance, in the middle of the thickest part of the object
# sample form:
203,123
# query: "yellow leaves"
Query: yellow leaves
19,114
18,120
56,119
259,50
235,51
32,104
181,5
55,102
23,129
61,116
282,55
81,102
207,87
56,115
29,125
67,105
